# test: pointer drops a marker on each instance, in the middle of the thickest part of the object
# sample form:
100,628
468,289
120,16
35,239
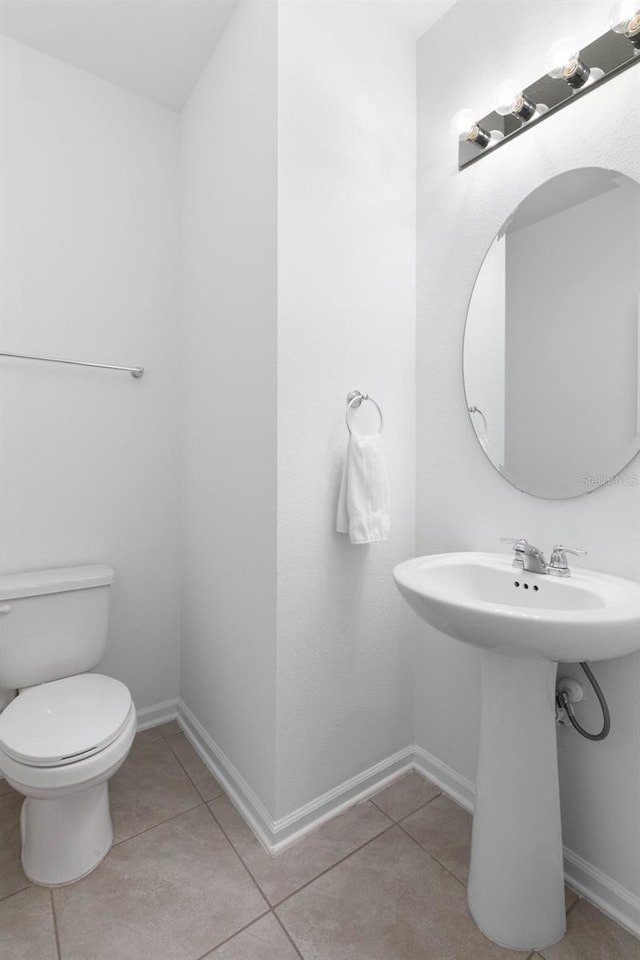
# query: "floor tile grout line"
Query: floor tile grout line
333,866
316,877
411,813
237,933
440,793
394,783
421,807
431,856
232,845
176,733
6,896
571,906
137,748
160,824
287,934
166,740
56,932
191,780
139,744
270,912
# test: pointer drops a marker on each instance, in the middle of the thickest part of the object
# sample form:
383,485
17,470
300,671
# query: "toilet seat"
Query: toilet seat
64,721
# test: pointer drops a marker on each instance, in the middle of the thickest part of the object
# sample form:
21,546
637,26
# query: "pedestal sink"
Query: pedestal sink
524,624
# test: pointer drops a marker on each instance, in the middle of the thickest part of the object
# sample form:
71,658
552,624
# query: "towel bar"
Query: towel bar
136,372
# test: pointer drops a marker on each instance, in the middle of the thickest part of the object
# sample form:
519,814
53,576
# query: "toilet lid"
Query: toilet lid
65,720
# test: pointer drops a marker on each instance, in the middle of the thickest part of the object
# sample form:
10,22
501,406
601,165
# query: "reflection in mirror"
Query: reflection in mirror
551,347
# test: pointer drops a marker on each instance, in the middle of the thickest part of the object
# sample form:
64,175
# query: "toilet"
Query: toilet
68,730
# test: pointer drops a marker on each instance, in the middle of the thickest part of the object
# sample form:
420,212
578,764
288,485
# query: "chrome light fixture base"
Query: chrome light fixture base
604,59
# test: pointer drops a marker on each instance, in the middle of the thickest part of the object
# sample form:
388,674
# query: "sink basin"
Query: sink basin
523,624
481,599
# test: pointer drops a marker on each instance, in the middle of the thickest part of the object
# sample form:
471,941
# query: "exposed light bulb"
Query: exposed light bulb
462,122
564,63
625,18
506,94
560,53
512,100
465,127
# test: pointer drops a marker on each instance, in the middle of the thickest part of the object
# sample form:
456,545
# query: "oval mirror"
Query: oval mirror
551,344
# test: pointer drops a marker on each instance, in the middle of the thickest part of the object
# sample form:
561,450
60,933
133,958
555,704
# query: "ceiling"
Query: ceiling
417,15
155,48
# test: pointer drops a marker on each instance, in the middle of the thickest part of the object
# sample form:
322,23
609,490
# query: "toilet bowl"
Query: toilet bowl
68,730
60,742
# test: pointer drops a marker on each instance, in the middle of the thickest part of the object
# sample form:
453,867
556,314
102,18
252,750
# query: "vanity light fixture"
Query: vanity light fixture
465,127
564,63
580,68
625,19
513,100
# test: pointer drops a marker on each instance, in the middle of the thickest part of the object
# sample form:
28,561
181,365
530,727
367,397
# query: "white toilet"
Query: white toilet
67,731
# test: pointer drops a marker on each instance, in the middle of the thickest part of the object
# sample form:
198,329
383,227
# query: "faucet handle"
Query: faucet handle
558,565
520,546
558,550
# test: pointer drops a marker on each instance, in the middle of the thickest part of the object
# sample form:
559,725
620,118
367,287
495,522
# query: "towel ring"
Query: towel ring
355,400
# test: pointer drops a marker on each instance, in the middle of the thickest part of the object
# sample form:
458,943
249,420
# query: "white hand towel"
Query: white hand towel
363,504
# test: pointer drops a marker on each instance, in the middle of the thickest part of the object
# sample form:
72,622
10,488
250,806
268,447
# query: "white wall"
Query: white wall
463,503
89,239
228,456
346,309
345,171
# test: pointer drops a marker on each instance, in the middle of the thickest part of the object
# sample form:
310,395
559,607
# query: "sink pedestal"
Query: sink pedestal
516,880
516,888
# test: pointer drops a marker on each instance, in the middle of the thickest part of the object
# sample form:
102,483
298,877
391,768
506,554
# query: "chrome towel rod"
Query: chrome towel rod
135,372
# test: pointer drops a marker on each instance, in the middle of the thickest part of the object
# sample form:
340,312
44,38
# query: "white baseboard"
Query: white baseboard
310,816
231,780
449,780
275,835
604,892
157,713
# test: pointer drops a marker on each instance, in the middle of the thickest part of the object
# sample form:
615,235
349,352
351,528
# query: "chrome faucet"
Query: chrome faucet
528,557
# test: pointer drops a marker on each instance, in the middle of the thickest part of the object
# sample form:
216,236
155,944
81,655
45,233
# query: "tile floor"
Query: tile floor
186,879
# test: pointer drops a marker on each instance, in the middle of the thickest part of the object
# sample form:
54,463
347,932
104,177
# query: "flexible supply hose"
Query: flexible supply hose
562,700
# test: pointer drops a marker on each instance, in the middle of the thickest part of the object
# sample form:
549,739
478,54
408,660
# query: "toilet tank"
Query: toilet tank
53,623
